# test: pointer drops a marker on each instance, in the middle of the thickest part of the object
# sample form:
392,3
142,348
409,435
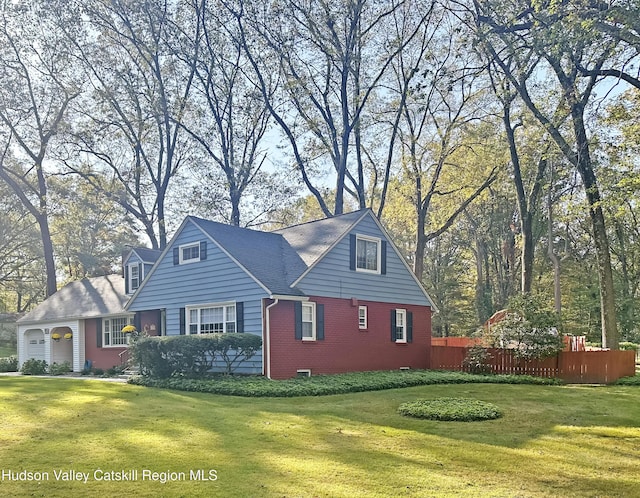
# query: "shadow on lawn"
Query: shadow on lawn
259,443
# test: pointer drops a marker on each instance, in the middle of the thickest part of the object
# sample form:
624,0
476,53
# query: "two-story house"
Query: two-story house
329,296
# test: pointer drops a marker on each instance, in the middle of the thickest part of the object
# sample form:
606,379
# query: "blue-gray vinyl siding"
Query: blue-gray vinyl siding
332,277
214,280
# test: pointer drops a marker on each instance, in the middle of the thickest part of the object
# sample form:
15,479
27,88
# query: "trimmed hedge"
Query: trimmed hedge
321,385
451,409
628,381
192,355
9,364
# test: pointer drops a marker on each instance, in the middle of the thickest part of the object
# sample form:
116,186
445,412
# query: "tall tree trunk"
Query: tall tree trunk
610,337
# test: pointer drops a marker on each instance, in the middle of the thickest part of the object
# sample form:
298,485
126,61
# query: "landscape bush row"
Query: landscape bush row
192,355
321,385
9,364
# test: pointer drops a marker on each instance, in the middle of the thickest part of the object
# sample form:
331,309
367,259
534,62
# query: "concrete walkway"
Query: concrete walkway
70,376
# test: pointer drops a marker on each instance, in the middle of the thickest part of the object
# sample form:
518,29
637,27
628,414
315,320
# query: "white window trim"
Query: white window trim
198,307
181,249
403,314
131,266
378,242
363,326
110,320
311,305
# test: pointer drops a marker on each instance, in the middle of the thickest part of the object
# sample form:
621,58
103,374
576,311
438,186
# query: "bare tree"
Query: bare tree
331,58
130,135
228,117
38,86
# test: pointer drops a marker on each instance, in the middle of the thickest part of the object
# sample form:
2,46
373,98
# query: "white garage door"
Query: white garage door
35,344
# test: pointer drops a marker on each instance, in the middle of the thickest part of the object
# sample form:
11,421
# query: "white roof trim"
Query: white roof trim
286,297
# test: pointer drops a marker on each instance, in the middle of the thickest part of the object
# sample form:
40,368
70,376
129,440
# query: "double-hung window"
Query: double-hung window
308,321
401,325
112,335
367,254
134,276
362,317
219,318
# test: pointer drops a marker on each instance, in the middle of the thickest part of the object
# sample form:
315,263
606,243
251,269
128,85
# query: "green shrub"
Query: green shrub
477,360
59,368
97,372
321,385
628,381
628,346
34,367
529,329
9,364
114,371
452,409
192,355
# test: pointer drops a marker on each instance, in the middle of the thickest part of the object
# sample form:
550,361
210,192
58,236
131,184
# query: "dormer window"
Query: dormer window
134,276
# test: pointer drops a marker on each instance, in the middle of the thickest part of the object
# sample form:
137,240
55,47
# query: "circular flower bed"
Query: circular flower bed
456,409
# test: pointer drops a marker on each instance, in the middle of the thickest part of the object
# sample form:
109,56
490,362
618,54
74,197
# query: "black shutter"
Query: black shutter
176,256
409,326
239,317
352,252
126,279
393,325
136,321
320,322
182,321
99,332
383,257
297,313
203,250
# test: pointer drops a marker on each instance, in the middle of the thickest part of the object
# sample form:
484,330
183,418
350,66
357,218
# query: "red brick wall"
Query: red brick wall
346,348
109,357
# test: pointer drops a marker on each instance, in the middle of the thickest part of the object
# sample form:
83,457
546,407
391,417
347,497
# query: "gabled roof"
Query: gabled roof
314,239
86,298
277,259
145,254
265,256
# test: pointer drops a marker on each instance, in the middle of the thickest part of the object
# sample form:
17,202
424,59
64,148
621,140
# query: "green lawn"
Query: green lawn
552,441
7,351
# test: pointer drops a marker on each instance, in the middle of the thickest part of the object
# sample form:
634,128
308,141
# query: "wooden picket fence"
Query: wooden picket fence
577,367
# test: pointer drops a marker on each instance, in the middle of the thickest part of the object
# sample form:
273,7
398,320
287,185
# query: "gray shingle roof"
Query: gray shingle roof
266,256
312,240
86,298
278,258
148,255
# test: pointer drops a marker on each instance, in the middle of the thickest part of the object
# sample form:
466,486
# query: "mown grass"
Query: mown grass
551,441
6,351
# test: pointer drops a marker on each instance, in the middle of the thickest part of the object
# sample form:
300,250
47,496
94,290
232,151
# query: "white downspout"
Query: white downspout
268,337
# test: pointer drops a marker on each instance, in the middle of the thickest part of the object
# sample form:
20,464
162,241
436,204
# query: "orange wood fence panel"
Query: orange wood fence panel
580,367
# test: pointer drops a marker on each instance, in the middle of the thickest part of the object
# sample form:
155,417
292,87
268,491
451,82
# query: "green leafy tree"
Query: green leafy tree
529,329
